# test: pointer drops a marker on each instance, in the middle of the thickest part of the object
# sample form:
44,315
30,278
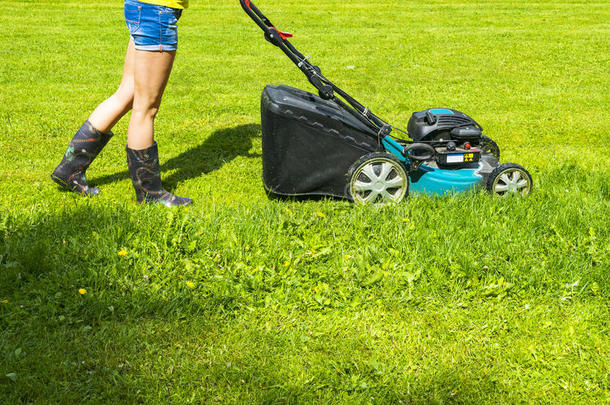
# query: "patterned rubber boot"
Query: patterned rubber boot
145,175
83,148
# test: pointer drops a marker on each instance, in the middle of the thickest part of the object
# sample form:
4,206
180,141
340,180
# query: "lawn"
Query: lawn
242,299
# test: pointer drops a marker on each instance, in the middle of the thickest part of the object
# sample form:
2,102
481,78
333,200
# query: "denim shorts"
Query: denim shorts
152,27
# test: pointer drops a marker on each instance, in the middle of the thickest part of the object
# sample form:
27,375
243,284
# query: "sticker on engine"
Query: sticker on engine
455,158
441,111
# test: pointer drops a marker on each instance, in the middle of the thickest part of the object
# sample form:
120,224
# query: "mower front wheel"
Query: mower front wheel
509,179
378,178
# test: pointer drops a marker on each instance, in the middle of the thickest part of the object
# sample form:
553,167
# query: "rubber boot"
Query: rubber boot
83,148
145,175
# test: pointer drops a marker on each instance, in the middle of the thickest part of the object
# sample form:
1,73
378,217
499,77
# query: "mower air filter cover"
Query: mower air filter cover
309,143
436,124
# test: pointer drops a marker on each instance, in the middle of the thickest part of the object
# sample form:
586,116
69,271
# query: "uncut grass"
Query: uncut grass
282,300
458,299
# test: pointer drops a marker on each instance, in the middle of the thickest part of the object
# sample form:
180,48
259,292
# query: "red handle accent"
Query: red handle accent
283,35
248,4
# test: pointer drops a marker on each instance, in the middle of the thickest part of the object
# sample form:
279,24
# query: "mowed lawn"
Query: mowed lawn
243,299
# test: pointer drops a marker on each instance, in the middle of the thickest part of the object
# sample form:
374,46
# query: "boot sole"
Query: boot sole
67,187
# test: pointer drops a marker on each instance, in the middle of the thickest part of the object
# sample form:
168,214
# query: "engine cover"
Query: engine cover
437,124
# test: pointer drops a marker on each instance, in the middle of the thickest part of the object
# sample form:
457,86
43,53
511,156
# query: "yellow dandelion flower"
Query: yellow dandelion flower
190,284
82,291
5,301
287,263
347,257
122,253
320,214
406,220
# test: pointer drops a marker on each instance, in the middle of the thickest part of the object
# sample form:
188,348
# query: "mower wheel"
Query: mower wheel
378,178
509,179
490,147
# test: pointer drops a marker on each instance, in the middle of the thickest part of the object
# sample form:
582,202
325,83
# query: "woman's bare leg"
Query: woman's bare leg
95,133
109,112
151,73
152,70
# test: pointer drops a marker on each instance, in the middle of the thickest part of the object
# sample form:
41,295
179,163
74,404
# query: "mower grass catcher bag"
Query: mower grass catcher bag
309,143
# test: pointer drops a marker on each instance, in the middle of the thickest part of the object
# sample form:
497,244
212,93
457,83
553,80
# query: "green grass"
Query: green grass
242,299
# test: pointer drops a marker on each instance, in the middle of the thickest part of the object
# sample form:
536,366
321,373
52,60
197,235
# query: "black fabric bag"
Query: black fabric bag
309,143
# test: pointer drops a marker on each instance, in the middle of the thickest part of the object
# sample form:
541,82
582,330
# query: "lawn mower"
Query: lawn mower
330,145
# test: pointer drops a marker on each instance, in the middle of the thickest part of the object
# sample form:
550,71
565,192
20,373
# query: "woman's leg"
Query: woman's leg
95,133
152,70
108,113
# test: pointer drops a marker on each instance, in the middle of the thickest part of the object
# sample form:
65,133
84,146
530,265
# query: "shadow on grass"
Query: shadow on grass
140,334
218,149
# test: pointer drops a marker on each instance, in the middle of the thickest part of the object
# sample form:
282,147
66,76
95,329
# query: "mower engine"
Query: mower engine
456,138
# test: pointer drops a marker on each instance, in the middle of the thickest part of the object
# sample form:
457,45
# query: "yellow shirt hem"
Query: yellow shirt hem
180,4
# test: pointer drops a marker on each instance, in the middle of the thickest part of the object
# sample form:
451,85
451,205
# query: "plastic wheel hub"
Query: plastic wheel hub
378,179
510,179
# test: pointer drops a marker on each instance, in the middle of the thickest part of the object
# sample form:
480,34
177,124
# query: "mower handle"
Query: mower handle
272,34
255,14
325,87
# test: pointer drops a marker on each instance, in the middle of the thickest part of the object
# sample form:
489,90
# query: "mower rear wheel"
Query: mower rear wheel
378,178
509,179
490,147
